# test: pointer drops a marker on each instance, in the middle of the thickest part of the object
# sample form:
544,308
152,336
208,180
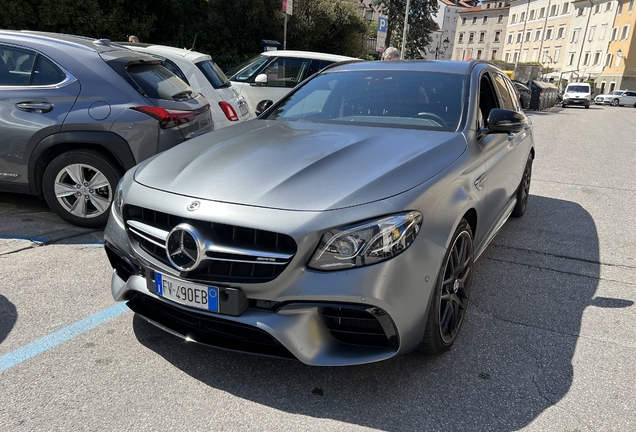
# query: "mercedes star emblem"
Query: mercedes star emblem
183,247
193,205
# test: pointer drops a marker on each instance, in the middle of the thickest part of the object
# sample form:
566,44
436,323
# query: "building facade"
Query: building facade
446,19
619,70
481,31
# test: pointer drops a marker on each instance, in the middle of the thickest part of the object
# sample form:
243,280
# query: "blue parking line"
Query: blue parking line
16,357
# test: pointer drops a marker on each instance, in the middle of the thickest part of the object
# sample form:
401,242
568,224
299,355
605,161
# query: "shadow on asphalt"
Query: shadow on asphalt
512,361
8,317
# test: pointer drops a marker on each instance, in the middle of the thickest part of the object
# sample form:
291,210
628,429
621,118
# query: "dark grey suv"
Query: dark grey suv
75,113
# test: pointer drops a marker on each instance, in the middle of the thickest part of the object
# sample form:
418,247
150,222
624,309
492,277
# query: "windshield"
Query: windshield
578,89
245,70
616,92
378,98
213,73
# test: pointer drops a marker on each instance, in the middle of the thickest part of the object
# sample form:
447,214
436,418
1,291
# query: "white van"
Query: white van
577,94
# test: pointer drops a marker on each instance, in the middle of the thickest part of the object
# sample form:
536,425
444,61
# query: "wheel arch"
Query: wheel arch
108,144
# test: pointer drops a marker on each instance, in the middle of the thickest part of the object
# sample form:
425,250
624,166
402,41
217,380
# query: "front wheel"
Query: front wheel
451,293
614,102
563,105
524,190
79,185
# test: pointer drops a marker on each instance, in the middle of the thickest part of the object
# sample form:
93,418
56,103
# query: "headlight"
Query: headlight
118,202
566,95
366,243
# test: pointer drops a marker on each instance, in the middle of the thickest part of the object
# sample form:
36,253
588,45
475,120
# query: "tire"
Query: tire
451,293
587,107
563,105
614,102
79,186
523,191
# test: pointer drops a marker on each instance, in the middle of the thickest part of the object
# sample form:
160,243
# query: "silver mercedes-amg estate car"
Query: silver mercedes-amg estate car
340,227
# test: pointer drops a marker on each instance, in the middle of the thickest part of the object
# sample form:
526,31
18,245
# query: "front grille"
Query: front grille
236,254
369,327
208,330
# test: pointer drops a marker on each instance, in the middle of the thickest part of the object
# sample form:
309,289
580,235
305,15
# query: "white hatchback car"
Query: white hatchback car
272,74
203,75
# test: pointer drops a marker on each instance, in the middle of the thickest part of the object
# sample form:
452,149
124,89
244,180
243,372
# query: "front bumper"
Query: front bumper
576,101
293,315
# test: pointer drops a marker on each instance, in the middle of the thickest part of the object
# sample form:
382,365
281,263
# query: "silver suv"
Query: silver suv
76,112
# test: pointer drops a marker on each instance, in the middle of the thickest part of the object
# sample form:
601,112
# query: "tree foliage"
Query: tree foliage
230,31
419,25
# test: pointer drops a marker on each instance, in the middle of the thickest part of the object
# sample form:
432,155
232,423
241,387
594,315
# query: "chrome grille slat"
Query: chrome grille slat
233,253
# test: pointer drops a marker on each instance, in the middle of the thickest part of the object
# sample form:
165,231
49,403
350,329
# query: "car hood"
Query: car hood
301,165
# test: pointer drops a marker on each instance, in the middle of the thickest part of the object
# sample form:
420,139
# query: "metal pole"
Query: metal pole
406,23
285,33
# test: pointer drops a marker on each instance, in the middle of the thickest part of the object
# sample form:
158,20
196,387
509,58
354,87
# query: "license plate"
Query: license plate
244,110
187,293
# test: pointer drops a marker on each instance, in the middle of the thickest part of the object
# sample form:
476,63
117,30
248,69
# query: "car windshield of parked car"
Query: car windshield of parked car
245,70
578,89
214,74
430,100
617,92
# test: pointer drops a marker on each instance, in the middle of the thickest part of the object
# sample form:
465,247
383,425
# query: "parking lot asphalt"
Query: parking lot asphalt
549,340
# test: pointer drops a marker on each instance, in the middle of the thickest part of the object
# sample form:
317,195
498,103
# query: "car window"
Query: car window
487,100
213,73
157,82
286,72
15,66
175,70
246,70
382,98
578,89
506,99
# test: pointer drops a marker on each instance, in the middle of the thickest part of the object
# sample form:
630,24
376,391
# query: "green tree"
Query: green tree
419,25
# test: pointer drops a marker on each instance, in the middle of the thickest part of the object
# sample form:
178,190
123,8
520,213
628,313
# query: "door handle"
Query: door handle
38,107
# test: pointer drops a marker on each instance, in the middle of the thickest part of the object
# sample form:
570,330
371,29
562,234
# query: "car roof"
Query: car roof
448,66
80,42
166,51
306,54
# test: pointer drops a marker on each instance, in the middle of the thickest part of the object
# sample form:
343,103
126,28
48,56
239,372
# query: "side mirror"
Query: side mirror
260,80
505,121
262,106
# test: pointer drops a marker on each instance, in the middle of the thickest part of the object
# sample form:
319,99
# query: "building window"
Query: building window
471,37
535,54
620,8
485,20
515,57
548,34
523,17
460,38
561,33
488,6
591,33
575,35
624,32
474,20
597,58
500,19
542,13
468,55
482,36
509,39
507,57
571,59
586,59
524,57
519,36
537,35
618,61
458,54
608,6
614,34
493,55
527,37
603,31
580,12
531,14
557,54
513,19
478,54
566,7
463,21
553,10
631,6
608,60
497,36
597,8
500,4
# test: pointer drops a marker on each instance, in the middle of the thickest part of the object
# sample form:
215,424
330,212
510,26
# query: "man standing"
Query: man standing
391,53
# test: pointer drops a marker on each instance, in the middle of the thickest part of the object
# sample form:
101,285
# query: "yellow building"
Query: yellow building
620,61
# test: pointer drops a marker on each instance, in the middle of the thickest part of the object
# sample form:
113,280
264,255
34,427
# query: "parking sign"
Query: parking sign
383,23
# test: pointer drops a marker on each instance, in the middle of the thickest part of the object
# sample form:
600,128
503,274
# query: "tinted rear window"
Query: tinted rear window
214,74
157,82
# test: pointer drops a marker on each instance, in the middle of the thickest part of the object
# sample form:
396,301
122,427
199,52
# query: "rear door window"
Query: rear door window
157,82
287,72
172,67
16,68
213,73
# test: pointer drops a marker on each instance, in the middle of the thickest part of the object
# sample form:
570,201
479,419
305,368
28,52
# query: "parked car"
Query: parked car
272,74
525,94
340,227
204,76
577,94
617,98
78,112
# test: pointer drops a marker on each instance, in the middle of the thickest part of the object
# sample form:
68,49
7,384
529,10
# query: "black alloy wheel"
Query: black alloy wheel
524,190
452,291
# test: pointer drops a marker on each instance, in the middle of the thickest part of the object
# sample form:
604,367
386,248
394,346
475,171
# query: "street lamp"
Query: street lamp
442,46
